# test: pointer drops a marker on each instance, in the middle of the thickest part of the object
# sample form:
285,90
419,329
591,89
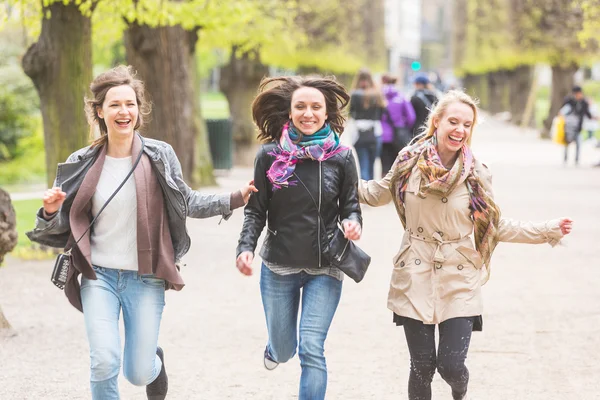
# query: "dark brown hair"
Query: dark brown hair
271,108
389,79
117,76
372,95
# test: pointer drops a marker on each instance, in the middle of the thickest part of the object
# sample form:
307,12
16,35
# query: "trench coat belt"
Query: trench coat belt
438,256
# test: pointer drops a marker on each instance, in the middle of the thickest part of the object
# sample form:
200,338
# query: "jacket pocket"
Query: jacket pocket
471,255
404,247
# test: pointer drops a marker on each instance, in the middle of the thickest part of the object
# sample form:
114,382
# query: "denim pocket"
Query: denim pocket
152,281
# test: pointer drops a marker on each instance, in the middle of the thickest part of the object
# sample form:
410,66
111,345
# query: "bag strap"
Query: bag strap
423,98
137,161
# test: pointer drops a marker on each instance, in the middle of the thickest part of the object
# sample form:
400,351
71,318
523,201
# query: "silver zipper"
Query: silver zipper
274,233
318,217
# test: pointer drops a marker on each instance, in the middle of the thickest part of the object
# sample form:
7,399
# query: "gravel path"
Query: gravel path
541,320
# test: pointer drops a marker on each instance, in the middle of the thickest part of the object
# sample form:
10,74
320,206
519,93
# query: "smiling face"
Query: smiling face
454,127
308,111
119,111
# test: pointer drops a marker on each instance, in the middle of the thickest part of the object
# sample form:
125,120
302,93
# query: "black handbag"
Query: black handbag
366,137
402,136
65,260
339,251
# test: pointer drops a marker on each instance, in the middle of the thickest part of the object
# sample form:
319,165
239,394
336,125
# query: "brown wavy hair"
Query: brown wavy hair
117,76
272,106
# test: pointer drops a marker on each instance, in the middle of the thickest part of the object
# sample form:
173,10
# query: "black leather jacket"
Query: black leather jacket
292,217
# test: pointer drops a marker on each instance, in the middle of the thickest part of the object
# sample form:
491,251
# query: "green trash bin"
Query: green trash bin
220,138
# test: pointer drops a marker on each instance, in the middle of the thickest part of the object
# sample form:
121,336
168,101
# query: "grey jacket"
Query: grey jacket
180,200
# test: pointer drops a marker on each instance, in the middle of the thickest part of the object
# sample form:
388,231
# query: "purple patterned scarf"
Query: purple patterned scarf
319,146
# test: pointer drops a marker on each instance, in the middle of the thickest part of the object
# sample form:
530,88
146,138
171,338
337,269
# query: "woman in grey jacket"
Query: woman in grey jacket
130,255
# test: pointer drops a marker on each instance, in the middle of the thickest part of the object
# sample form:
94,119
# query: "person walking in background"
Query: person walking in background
129,257
590,125
444,198
307,185
366,107
574,109
396,122
422,101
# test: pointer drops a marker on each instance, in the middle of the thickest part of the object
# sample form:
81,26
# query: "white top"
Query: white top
114,234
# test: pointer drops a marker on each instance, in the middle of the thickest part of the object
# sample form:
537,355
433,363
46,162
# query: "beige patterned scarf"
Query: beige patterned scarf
436,179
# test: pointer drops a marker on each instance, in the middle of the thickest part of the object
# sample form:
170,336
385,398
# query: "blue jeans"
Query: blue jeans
366,160
577,147
142,299
281,298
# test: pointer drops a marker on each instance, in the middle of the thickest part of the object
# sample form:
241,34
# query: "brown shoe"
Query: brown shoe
158,389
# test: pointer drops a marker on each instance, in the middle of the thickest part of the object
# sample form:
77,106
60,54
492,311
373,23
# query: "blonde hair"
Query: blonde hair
438,111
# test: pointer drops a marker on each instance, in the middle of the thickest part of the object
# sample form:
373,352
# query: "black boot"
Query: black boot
157,390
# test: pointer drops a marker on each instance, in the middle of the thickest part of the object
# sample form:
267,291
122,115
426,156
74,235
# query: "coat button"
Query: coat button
441,234
438,266
401,264
420,230
460,267
417,261
444,199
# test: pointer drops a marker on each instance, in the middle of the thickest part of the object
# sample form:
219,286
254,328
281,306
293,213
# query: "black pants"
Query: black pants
455,337
389,152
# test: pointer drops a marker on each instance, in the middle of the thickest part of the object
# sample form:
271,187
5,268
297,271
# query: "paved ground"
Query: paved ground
542,315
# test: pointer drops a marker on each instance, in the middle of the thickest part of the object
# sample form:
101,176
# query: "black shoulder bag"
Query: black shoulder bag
339,251
64,260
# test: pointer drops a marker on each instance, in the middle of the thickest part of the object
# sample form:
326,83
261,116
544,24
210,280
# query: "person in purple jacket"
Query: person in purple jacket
396,121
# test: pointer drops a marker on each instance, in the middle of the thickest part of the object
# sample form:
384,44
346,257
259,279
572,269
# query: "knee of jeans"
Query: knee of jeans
312,351
139,376
282,354
452,369
105,364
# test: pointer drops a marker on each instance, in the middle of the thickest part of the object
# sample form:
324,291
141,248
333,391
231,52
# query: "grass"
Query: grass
214,105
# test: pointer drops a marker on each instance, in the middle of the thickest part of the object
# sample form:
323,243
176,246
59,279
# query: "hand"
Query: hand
247,191
244,262
53,199
566,225
352,230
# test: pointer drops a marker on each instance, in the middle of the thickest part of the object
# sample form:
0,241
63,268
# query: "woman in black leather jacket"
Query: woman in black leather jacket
302,174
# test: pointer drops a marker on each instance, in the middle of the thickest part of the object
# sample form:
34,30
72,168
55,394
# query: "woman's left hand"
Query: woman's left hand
566,225
247,191
352,230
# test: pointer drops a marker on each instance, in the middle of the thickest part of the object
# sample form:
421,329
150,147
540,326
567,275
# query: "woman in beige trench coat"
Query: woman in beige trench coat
444,198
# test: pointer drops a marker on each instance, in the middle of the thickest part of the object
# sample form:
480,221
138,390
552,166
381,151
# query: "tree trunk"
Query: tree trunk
203,170
164,60
520,86
495,92
239,82
60,66
562,83
8,225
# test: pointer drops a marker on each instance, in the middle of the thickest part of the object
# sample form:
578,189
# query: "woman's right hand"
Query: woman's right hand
244,262
53,199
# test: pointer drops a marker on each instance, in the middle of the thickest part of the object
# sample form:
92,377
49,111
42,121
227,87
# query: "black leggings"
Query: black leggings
455,336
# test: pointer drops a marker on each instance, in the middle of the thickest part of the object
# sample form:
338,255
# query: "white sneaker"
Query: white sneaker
270,364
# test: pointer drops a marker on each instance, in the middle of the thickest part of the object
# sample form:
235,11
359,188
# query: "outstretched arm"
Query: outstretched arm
513,231
255,215
376,193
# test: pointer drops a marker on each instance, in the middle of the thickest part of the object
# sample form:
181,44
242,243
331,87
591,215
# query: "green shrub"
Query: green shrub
19,109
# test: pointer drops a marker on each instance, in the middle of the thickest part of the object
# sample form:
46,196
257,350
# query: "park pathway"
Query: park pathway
541,321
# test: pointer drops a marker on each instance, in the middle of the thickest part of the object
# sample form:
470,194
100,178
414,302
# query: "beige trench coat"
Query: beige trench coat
437,271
